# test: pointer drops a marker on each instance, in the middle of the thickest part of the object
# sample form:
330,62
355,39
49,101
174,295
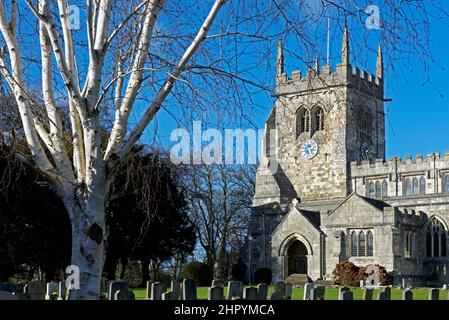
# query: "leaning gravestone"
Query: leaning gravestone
52,289
189,289
262,291
36,290
117,285
407,295
5,295
157,289
308,287
250,293
368,293
235,289
317,293
215,293
346,295
434,294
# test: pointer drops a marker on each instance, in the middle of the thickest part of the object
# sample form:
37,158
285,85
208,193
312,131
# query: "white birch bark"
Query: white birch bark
83,181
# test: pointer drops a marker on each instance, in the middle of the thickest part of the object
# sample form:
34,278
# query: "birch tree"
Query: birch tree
81,173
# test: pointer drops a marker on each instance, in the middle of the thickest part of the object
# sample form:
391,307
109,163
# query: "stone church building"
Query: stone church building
333,196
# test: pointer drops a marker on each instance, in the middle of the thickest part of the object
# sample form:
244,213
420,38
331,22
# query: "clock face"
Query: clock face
309,149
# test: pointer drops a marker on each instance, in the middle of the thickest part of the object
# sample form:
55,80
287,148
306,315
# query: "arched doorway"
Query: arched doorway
297,258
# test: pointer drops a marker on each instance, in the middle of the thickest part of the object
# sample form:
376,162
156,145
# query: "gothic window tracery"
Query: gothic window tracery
436,246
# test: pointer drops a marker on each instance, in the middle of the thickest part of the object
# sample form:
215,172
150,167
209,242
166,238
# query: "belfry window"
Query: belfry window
436,238
318,116
302,121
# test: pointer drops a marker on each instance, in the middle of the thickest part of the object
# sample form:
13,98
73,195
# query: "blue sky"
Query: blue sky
417,120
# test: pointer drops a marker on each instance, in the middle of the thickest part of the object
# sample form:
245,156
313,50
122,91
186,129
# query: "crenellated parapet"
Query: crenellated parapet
316,79
344,75
409,165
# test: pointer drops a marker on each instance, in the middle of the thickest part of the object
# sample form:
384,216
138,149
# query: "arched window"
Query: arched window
408,244
319,119
408,187
385,188
354,244
415,186
422,185
362,244
378,189
371,191
369,244
446,185
302,121
436,245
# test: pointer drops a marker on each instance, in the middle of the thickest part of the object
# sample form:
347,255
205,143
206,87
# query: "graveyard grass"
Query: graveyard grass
331,293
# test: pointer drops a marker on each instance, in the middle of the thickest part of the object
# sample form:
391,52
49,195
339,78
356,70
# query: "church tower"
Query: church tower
324,120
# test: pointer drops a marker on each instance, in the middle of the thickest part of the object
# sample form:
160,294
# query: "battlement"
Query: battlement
321,79
399,165
412,216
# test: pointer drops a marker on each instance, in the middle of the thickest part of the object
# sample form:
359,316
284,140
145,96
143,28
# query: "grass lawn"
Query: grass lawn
331,293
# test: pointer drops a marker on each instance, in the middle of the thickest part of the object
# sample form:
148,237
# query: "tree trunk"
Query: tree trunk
88,252
145,272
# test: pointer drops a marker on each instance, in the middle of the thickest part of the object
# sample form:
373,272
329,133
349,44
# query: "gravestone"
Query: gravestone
262,291
362,283
217,283
387,291
444,287
115,286
148,291
280,287
36,290
368,293
121,295
215,293
288,291
52,288
169,296
407,295
5,295
383,295
346,295
157,289
250,293
434,294
235,289
276,295
176,289
189,289
317,293
308,287
62,290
